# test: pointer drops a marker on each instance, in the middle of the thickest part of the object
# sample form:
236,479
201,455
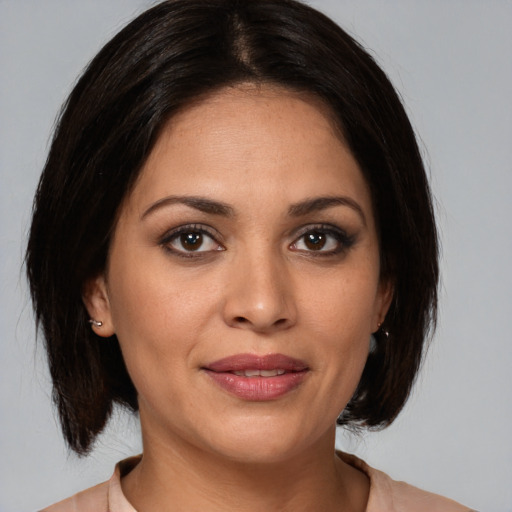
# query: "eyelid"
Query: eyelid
345,241
322,226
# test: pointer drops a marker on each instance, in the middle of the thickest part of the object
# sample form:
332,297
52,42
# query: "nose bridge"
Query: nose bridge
260,294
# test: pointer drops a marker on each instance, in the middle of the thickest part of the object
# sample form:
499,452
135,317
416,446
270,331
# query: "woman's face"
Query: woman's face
243,277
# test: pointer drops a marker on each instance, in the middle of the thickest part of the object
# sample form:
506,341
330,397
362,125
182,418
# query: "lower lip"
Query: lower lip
258,389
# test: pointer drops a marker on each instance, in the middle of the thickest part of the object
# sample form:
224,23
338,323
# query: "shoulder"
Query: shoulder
407,498
388,495
94,499
102,497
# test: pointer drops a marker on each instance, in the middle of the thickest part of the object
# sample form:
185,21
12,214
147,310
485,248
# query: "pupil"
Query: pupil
191,241
315,240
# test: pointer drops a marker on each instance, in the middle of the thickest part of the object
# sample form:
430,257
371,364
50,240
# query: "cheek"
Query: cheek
339,317
344,303
156,312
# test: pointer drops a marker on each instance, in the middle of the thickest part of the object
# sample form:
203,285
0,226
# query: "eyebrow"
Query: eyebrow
300,209
317,204
199,203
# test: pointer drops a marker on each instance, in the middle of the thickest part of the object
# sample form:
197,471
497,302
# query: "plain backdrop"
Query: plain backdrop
451,61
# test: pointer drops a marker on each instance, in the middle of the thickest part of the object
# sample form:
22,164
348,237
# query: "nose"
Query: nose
259,295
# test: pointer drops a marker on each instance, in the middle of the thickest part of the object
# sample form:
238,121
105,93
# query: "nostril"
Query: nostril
242,320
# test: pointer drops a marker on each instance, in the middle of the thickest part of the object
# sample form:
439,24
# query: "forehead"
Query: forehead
247,140
245,109
256,97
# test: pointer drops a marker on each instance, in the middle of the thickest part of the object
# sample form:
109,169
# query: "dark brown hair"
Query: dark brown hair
163,60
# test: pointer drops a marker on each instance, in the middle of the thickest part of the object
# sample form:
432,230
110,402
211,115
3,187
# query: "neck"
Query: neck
180,477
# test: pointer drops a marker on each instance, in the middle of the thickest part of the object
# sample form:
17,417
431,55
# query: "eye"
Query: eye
324,240
187,240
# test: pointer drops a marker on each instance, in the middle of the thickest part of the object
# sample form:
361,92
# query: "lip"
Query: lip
257,388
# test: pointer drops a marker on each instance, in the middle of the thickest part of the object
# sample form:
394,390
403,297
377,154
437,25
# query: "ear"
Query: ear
96,301
382,302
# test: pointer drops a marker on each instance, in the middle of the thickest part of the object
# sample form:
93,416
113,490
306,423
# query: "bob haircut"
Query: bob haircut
166,58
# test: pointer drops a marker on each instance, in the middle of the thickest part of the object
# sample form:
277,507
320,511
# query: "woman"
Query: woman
233,235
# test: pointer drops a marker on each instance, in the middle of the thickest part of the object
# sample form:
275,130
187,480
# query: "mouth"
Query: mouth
257,378
259,373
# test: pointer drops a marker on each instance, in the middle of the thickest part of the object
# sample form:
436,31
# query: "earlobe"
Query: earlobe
385,296
96,300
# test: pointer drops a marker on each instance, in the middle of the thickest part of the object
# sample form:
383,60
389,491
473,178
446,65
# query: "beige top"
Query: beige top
386,495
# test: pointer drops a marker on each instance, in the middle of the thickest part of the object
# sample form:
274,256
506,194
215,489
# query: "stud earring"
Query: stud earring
384,331
96,323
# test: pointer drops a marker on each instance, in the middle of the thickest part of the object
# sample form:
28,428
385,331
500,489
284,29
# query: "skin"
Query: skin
253,286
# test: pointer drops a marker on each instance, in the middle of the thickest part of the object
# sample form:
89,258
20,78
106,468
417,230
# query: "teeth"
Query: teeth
271,373
259,373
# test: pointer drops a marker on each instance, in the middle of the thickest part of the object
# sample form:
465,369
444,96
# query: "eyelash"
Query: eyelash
342,240
188,229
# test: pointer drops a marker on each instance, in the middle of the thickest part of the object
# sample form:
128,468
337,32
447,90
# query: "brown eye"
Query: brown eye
187,240
315,240
191,241
322,240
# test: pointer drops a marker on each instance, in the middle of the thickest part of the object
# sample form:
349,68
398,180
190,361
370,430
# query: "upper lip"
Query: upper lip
240,362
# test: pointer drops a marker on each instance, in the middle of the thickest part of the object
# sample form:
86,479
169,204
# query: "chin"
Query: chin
263,440
258,452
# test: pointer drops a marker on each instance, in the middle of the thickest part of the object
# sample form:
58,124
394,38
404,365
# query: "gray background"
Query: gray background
451,60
